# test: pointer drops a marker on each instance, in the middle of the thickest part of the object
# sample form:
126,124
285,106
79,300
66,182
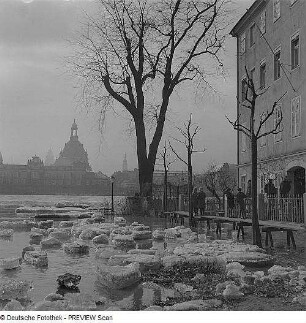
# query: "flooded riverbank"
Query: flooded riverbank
135,297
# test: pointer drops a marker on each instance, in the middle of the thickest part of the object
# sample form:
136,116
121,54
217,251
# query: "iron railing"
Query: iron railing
283,209
273,208
280,209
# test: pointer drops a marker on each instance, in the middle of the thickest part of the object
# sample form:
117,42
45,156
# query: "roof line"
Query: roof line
244,18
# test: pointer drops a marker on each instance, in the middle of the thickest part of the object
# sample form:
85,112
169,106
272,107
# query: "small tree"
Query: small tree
137,52
218,179
227,179
166,164
189,131
211,181
254,131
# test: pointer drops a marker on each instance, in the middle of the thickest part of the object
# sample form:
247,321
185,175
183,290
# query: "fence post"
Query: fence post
261,206
225,205
304,204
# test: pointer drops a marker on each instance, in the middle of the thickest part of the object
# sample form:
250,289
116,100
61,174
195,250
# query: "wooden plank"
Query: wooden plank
272,224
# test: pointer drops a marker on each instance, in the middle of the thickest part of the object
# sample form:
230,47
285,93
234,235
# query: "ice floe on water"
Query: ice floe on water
126,258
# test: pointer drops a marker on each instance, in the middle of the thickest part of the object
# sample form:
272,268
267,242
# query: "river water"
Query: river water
44,279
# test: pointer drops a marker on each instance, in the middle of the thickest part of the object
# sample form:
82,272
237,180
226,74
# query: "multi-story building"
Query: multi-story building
70,174
271,38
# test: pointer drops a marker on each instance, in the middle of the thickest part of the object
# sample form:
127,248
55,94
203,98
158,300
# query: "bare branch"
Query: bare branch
177,155
131,49
268,115
239,127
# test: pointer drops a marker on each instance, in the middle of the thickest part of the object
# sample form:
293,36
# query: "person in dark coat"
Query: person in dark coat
201,201
230,198
240,199
194,201
270,189
285,187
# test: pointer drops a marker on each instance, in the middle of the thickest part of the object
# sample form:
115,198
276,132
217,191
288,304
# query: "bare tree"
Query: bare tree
255,130
138,47
211,181
189,131
227,179
218,180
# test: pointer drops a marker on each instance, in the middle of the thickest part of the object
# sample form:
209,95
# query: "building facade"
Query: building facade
271,38
70,174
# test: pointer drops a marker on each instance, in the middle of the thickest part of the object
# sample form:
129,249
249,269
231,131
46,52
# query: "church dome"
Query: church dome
73,153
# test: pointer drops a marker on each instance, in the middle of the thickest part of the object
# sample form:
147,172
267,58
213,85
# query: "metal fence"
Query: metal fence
237,212
283,209
280,209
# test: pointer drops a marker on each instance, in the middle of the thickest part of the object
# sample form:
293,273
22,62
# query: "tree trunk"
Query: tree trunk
190,209
145,166
165,190
145,178
255,222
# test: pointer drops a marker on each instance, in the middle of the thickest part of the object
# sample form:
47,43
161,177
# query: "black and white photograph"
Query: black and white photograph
152,159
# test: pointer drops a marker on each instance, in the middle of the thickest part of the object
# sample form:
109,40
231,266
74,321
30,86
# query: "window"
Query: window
243,183
276,9
277,120
296,116
263,140
244,89
242,43
295,51
262,75
277,64
262,26
252,35
35,175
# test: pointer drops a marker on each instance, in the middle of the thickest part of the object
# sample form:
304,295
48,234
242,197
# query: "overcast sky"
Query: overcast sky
39,99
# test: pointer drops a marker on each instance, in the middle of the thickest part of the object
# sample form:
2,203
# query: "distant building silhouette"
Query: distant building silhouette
124,164
49,160
70,174
73,152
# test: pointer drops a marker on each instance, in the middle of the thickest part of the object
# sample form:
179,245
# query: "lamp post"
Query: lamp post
112,181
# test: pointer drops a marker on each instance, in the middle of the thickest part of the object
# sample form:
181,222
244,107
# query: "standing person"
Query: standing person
230,200
241,203
201,201
194,201
285,187
270,188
